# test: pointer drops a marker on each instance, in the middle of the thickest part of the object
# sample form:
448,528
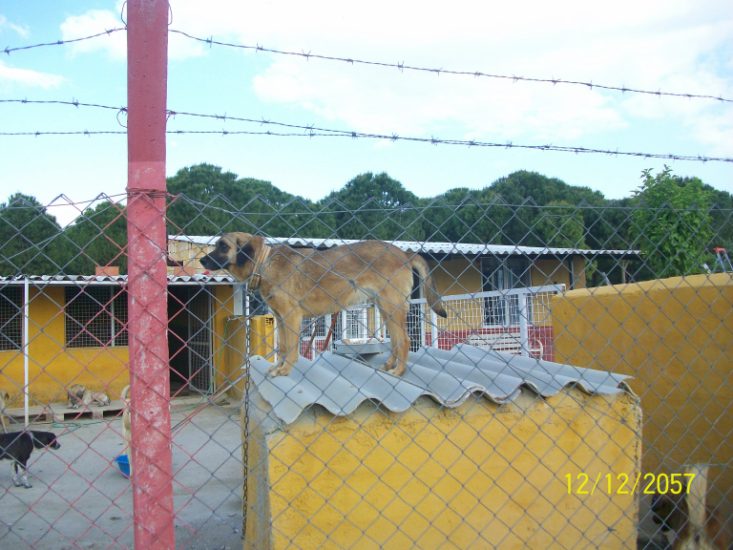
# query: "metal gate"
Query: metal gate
199,342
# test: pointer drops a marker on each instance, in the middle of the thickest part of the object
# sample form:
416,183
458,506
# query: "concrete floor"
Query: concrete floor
79,499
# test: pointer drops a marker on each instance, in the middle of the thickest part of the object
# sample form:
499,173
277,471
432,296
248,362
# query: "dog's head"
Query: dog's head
44,439
235,252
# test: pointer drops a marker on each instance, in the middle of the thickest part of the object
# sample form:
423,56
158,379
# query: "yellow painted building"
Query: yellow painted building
456,268
77,335
675,337
473,475
487,290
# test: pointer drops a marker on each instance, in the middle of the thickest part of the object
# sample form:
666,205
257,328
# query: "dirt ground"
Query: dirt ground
79,498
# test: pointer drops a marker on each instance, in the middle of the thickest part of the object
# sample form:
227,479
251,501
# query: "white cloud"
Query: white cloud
28,77
20,30
93,22
658,44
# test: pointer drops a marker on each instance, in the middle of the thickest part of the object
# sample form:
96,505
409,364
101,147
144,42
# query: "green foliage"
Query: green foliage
27,237
374,207
561,225
207,201
672,224
98,237
671,219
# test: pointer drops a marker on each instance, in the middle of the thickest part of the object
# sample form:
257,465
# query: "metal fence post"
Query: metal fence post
147,44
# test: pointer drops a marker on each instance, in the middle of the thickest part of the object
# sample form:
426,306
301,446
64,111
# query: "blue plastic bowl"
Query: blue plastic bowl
123,463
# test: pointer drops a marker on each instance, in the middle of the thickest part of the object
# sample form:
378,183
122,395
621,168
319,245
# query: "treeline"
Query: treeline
674,221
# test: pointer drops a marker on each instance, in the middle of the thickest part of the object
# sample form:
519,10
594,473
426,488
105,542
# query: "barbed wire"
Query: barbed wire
316,133
8,50
312,131
453,72
401,66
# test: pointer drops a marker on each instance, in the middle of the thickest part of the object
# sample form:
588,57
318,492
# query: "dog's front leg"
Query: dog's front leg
21,479
288,342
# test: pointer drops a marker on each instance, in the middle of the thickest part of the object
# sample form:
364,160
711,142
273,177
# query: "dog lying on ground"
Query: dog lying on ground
18,446
297,283
79,395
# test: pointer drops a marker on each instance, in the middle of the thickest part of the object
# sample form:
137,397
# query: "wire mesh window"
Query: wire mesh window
95,317
503,274
11,318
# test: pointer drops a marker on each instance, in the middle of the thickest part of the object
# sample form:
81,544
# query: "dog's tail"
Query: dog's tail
432,296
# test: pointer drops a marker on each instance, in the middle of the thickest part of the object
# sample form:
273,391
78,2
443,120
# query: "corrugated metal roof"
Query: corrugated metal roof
426,247
340,384
40,280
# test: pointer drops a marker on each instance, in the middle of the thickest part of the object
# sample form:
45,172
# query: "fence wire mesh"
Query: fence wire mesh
575,369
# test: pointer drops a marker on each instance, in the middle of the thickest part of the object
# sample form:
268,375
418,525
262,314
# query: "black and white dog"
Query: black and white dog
18,446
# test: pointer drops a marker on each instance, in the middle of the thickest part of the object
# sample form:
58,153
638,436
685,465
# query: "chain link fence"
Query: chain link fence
574,374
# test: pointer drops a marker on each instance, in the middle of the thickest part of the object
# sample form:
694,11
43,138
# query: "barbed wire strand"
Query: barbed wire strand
312,131
399,66
8,50
453,72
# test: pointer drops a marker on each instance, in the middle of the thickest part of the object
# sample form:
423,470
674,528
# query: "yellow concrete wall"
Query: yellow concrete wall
52,366
675,336
226,344
188,253
459,275
477,476
262,334
463,275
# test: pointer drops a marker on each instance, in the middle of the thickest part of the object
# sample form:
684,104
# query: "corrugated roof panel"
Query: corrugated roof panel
113,279
340,384
422,247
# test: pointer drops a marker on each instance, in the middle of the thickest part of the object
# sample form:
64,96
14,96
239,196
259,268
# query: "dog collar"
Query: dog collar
256,278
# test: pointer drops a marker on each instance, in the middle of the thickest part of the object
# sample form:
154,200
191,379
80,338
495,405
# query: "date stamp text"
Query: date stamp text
583,483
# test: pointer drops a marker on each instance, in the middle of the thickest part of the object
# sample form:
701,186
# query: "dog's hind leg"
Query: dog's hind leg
395,316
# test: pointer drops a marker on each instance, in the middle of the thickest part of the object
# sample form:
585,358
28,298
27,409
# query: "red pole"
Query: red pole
152,481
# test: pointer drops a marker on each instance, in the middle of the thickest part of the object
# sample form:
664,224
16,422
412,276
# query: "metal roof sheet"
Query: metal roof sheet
425,247
112,279
340,384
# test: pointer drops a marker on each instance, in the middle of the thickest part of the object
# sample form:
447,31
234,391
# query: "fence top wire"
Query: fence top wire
401,66
312,131
8,50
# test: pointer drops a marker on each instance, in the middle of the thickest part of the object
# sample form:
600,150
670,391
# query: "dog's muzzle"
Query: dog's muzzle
210,261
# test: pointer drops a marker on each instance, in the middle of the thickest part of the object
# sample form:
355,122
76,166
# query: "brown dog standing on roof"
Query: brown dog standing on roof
306,282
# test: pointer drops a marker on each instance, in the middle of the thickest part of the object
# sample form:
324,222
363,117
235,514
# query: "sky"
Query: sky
670,46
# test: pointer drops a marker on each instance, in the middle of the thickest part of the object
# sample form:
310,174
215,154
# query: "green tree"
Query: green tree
28,236
97,237
521,198
561,225
671,224
207,201
454,216
374,207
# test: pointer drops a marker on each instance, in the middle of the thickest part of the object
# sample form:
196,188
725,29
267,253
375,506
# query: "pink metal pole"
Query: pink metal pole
152,481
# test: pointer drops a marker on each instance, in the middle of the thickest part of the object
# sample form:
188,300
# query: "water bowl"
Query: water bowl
123,463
